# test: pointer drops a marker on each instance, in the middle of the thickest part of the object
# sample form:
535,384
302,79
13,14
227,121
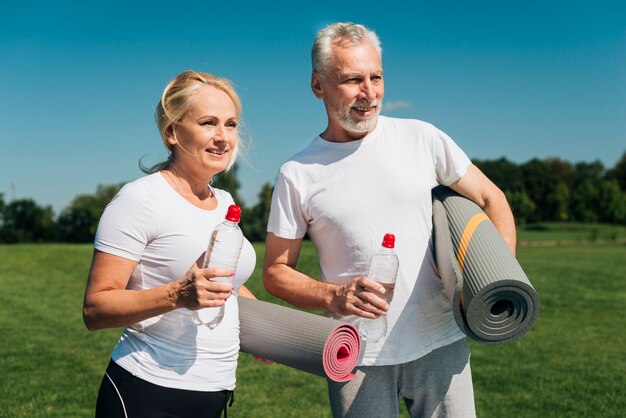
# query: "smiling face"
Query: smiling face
205,139
352,89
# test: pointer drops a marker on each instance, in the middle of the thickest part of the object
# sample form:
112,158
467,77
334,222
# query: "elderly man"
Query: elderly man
363,176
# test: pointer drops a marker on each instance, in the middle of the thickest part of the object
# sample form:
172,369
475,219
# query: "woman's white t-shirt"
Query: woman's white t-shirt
149,222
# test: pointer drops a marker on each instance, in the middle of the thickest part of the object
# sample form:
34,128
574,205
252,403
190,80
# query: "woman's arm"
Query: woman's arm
107,302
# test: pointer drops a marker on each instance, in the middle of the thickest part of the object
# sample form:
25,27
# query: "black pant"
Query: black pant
126,396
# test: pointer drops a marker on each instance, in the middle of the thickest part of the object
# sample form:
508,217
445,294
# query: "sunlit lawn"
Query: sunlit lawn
571,364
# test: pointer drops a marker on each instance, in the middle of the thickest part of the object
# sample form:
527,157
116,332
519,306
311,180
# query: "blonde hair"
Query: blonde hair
175,103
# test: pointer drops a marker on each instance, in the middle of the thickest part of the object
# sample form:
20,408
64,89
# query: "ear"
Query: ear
170,136
316,85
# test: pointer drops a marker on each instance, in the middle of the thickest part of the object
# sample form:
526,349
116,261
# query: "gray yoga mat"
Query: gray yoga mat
311,343
492,299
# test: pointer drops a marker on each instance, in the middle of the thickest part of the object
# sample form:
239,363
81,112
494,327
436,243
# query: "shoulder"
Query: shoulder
142,198
130,219
140,190
411,134
307,155
290,166
413,126
148,183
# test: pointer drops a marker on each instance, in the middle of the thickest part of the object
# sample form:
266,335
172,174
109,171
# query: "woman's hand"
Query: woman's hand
197,289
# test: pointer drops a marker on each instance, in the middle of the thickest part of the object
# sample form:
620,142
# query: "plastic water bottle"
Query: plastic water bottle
383,269
223,252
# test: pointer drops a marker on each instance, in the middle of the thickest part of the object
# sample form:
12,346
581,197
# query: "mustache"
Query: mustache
367,103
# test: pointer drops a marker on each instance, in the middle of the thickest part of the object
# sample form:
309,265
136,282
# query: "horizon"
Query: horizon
248,204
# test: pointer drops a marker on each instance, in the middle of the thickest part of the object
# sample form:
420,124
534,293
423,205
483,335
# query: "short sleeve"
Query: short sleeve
127,224
451,163
287,218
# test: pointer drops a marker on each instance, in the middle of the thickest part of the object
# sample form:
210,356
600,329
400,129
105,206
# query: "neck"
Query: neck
186,183
345,137
335,132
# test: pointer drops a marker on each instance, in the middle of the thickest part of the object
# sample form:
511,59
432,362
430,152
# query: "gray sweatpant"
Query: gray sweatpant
436,385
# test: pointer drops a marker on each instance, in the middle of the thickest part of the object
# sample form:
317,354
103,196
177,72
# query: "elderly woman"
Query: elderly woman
146,270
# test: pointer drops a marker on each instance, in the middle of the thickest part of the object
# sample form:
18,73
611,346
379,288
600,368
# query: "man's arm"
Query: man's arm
281,279
477,187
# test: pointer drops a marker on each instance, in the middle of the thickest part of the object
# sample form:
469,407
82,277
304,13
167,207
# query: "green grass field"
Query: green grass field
565,233
571,364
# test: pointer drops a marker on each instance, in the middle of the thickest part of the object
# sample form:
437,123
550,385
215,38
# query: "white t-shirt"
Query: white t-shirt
152,224
348,195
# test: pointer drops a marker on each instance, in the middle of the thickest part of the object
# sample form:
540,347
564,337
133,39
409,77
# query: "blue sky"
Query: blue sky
79,81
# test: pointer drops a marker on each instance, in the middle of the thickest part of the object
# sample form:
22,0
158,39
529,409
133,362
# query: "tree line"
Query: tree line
23,220
538,190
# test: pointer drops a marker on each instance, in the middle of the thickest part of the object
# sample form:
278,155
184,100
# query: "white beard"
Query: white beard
358,126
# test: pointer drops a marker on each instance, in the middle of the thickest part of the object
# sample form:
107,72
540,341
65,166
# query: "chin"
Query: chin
360,126
216,166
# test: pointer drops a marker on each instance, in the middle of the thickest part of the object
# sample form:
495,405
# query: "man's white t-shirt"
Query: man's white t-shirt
347,196
152,224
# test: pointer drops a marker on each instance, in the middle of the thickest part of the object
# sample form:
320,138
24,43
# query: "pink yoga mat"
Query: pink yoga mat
311,343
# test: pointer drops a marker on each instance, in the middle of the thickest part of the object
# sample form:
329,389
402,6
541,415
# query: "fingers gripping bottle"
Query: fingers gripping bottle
223,252
383,269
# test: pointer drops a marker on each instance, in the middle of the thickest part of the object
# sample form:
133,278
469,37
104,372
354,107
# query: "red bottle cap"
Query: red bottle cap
234,213
389,241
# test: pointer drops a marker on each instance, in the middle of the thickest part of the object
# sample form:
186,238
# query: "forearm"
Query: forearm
108,303
477,187
297,288
500,214
120,307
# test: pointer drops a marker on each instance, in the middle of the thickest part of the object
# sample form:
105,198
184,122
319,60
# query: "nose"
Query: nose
367,89
219,133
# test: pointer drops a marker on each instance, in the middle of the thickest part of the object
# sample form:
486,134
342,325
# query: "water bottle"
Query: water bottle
223,252
383,269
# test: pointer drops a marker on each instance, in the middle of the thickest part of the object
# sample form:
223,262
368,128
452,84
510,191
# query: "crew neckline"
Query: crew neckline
185,201
355,142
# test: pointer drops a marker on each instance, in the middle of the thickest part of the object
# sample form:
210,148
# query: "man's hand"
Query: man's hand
362,297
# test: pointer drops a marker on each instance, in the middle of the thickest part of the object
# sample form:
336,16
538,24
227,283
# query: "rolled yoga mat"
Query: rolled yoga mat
311,343
492,299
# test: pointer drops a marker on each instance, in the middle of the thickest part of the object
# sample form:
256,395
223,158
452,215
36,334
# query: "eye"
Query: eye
231,124
209,122
353,80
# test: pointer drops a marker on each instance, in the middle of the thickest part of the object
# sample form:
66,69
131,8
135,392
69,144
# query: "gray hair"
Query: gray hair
348,33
